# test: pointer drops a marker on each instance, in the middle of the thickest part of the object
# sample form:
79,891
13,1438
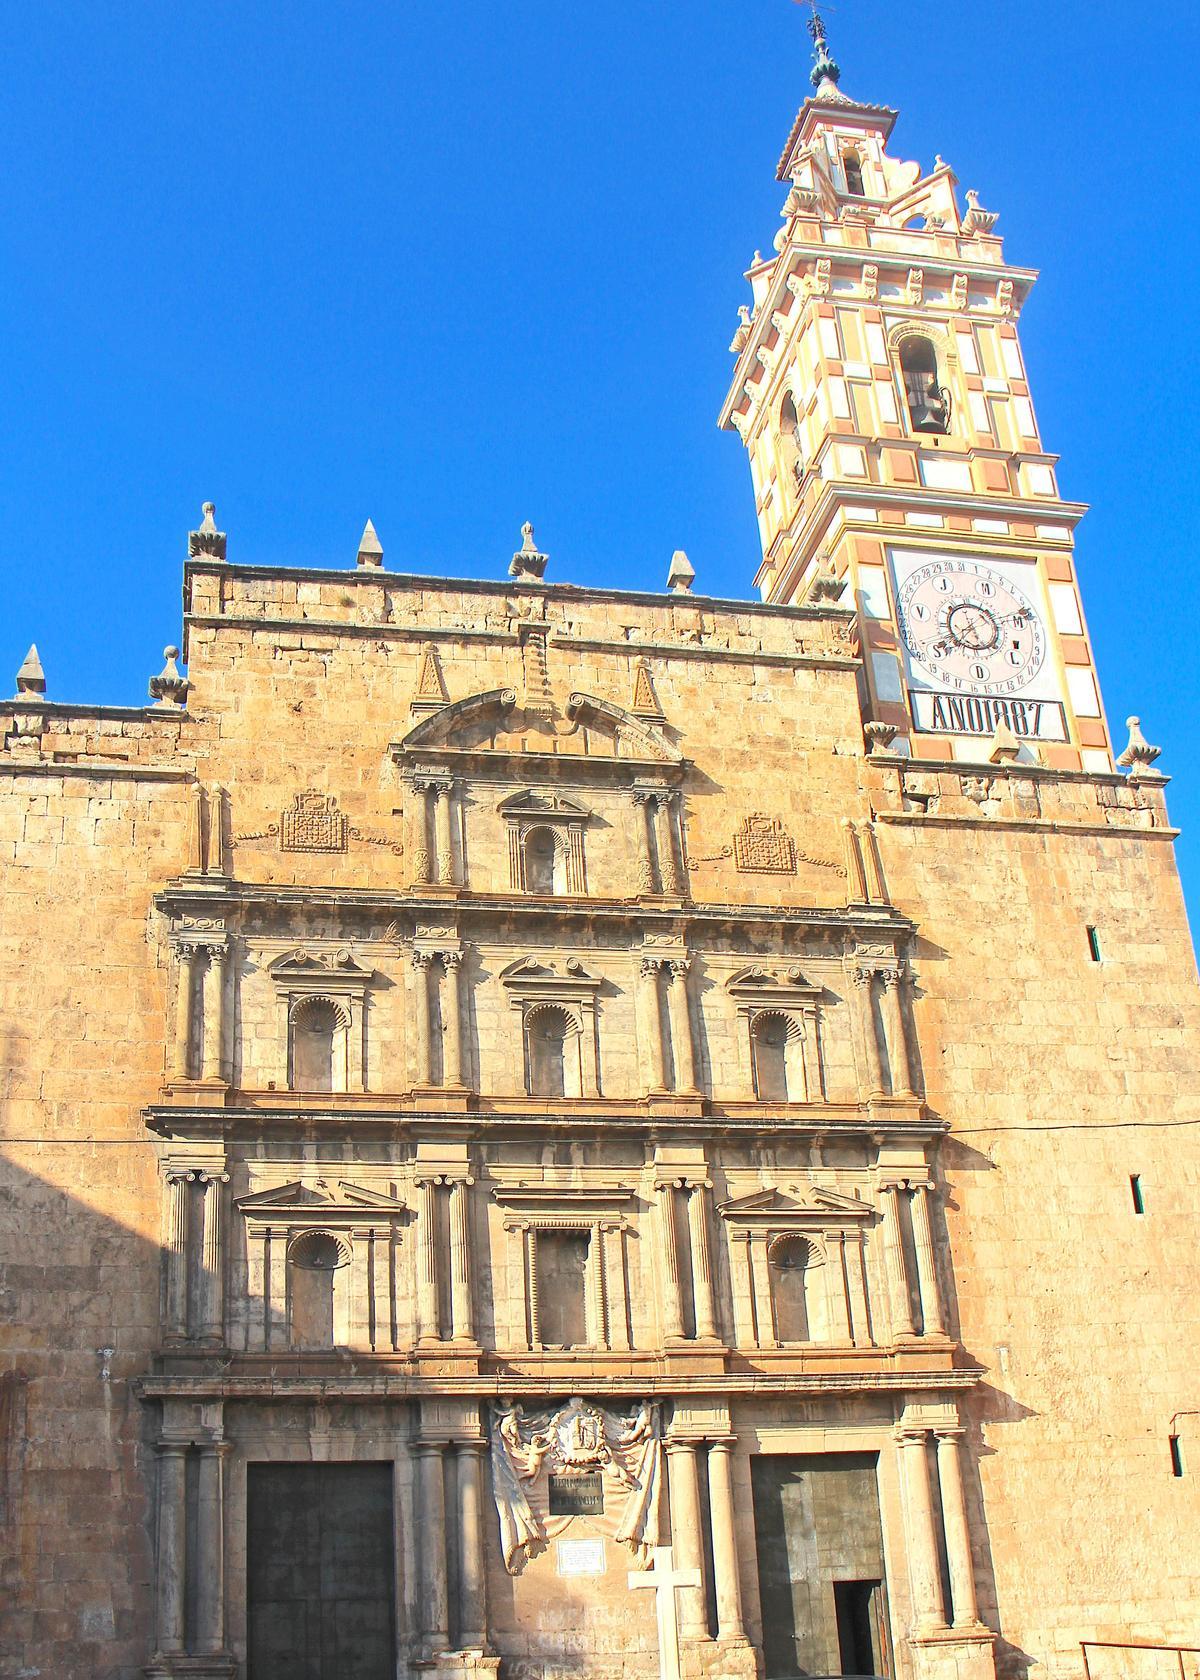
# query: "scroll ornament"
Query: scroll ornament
579,1438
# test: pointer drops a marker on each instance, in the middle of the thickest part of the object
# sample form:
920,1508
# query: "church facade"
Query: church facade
573,1132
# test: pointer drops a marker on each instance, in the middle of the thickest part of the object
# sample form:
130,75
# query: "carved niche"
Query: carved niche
797,1265
527,817
321,1266
781,1032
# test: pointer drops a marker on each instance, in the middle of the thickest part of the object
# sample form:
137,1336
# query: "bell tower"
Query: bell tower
882,397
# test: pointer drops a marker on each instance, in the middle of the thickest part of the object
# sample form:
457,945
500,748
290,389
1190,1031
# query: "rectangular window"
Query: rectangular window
1135,1190
1176,1456
1093,938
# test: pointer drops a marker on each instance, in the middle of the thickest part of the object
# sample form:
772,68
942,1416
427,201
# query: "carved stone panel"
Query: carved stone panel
763,847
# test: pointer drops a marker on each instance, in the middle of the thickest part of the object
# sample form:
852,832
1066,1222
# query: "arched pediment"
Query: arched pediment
463,723
494,723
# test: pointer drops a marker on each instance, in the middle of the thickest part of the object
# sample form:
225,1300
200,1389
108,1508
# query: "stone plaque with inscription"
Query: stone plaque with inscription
577,1496
580,1557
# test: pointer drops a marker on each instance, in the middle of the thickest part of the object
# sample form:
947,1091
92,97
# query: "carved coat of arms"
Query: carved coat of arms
531,1452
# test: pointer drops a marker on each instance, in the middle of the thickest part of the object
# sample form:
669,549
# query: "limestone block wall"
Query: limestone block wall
82,1028
1062,1077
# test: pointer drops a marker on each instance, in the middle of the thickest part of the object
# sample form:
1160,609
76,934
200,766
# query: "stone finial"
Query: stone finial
1005,748
1139,756
977,219
682,574
528,563
207,543
646,703
31,679
169,687
370,549
880,735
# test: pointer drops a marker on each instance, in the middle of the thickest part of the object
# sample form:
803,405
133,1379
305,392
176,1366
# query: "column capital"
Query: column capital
652,965
950,1432
910,1435
422,959
679,967
173,1448
864,974
427,1448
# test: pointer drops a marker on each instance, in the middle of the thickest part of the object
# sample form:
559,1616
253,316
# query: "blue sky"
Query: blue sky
454,265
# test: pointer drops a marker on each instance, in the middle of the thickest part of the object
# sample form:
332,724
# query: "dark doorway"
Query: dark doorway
320,1572
860,1632
820,1564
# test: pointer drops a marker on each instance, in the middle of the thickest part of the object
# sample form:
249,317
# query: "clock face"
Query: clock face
968,627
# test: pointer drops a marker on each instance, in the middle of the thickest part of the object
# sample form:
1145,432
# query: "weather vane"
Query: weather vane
825,69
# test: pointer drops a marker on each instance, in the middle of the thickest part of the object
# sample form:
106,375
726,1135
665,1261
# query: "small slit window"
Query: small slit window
1176,1455
852,164
1136,1193
1093,939
927,398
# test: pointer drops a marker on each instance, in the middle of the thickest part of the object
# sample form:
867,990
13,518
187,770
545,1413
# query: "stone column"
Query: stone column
172,1544
422,862
864,979
932,1322
893,1008
958,1533
858,1283
646,881
651,1013
685,1534
185,999
421,960
594,1303
427,1269
278,1327
210,1547
472,1605
764,1306
668,857
214,1014
535,1319
730,1624
175,1245
451,1010
835,1284
743,1289
672,1308
893,1249
681,1026
702,1283
445,833
925,1576
213,1245
462,1319
613,1236
435,1609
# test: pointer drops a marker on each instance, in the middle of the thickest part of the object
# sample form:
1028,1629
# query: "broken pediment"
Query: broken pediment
303,961
543,807
321,1198
809,1204
528,978
771,986
494,723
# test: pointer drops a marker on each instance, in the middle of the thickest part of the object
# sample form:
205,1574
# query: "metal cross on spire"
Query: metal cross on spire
825,69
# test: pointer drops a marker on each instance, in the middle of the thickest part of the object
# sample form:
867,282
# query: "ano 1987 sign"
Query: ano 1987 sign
982,714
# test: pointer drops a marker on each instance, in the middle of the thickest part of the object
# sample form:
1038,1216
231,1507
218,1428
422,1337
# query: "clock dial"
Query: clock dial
969,628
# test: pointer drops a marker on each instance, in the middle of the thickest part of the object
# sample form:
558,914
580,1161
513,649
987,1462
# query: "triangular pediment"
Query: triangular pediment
547,806
812,1202
321,1196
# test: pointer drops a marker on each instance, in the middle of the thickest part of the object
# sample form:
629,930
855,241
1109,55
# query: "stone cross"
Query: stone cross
664,1580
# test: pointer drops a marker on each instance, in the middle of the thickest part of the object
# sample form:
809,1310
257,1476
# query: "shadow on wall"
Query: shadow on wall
79,1302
